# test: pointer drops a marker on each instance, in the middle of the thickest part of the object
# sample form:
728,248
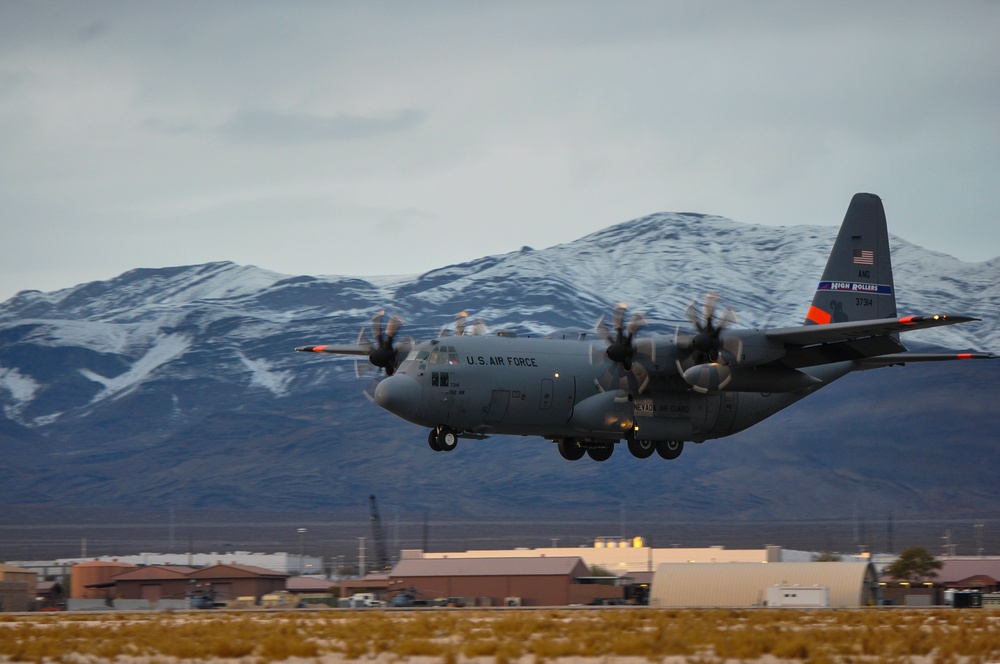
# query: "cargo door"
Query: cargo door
498,406
545,403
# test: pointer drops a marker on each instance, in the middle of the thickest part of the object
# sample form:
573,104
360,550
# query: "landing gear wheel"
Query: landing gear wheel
447,440
432,440
670,449
570,450
602,453
641,449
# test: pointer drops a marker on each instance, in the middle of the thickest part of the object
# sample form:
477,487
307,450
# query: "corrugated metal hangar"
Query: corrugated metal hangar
846,585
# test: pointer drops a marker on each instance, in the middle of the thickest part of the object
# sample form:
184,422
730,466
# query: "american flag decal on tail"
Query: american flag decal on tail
864,257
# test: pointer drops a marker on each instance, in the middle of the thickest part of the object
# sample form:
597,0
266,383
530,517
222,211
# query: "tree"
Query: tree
826,557
914,564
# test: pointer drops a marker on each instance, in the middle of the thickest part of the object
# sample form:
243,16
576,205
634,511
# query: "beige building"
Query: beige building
847,585
17,588
628,556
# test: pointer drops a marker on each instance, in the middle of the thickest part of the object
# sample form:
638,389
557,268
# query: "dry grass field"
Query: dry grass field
506,636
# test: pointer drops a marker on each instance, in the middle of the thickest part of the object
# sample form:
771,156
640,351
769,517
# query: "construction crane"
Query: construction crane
381,557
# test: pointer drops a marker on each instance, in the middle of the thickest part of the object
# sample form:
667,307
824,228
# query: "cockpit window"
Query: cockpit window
441,355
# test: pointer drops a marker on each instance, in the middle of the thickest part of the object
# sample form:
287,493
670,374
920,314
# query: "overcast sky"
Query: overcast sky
375,138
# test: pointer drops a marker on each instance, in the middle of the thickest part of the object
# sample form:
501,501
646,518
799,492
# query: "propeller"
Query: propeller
622,348
708,365
476,327
382,348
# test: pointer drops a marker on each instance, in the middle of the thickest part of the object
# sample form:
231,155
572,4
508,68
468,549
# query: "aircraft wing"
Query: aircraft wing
341,349
871,342
905,358
808,335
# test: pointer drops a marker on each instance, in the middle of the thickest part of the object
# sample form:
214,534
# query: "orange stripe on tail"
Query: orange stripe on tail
818,316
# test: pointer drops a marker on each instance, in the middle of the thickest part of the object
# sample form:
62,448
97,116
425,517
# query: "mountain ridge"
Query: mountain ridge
177,385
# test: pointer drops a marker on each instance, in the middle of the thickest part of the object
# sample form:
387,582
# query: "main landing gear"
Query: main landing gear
442,439
573,449
670,449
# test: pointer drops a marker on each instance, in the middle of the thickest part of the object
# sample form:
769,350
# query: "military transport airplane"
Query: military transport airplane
589,393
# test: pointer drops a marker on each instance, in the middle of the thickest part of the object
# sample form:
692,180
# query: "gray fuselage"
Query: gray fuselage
565,388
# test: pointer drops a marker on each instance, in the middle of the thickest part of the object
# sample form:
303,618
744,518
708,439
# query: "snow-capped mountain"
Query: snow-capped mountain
179,385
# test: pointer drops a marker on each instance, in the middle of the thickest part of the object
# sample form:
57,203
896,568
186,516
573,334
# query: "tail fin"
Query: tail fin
857,282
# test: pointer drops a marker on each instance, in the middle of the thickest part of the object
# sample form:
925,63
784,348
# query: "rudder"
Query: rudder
857,282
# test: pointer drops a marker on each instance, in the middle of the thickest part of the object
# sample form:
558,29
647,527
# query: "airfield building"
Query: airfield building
832,584
549,581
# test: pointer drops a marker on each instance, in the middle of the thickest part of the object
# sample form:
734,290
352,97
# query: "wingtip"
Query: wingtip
941,318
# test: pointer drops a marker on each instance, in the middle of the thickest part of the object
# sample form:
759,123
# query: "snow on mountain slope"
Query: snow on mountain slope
179,385
180,322
164,350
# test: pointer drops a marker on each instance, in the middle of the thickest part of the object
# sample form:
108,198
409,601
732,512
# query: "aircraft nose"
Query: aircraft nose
400,395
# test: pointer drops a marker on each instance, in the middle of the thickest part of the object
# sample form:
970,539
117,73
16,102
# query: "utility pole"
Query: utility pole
890,540
361,557
949,548
426,533
381,557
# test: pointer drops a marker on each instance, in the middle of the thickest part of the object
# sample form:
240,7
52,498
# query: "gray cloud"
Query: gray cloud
136,134
263,126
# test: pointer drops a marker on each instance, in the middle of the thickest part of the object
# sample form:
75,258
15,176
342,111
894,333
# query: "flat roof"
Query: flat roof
558,566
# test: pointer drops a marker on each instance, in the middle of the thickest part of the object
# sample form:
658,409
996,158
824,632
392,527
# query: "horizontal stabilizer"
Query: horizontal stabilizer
348,349
807,335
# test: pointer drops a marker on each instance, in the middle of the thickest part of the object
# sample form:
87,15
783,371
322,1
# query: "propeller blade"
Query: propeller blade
377,326
635,324
711,301
683,342
620,318
710,355
732,350
362,369
363,339
602,329
622,346
691,313
370,390
596,354
646,348
394,324
641,376
728,318
460,320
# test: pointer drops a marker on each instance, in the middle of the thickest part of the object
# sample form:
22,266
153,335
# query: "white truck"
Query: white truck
363,600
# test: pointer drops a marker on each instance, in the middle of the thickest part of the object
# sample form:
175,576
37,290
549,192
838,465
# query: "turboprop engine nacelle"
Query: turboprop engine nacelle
607,412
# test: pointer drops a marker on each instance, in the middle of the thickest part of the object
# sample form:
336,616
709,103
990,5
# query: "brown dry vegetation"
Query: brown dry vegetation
447,635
